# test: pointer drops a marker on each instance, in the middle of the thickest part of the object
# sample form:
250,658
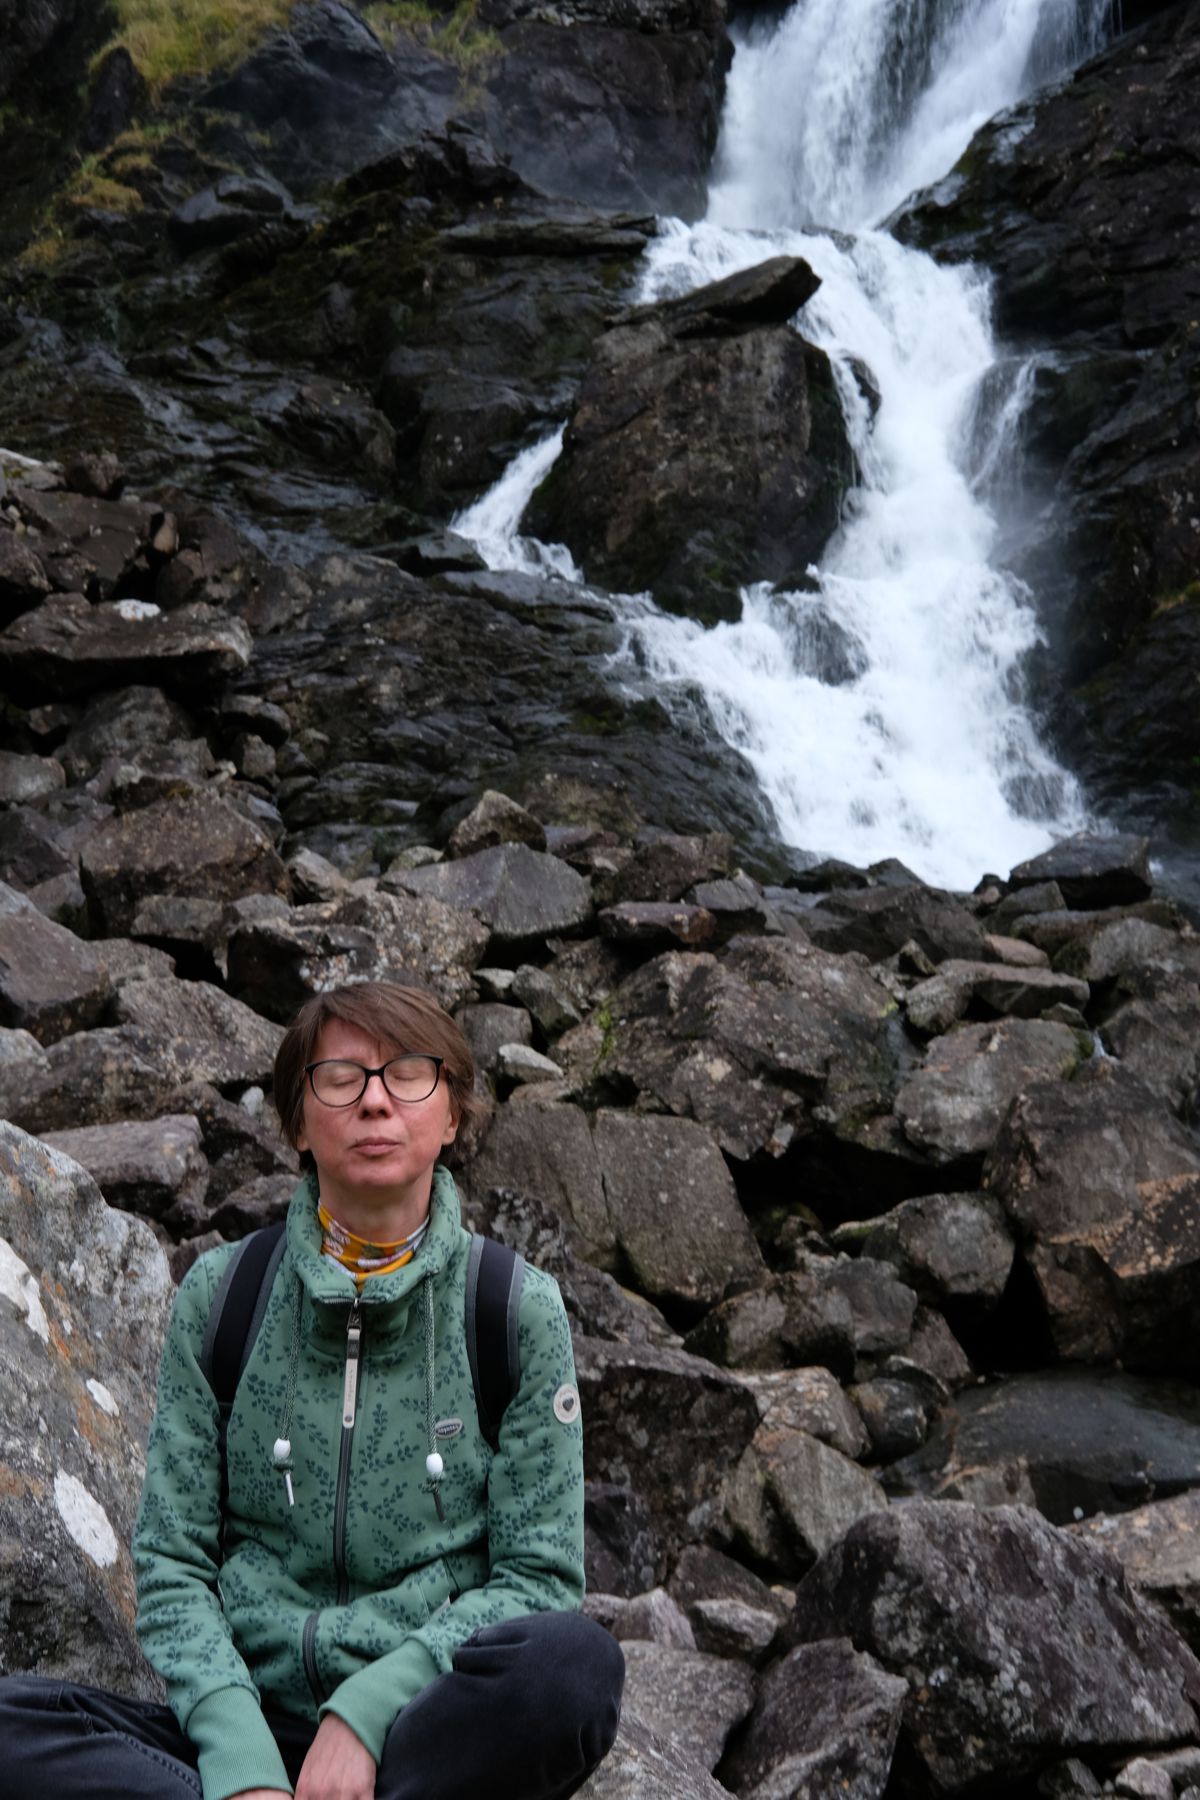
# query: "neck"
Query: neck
380,1218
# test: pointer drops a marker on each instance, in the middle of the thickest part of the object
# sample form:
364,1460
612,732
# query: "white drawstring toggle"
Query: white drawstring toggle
281,1456
434,1466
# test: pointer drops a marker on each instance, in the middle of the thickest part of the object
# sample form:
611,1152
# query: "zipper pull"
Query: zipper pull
353,1345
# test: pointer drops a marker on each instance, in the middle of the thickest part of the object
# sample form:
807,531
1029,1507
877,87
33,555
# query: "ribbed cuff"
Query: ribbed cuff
236,1749
369,1701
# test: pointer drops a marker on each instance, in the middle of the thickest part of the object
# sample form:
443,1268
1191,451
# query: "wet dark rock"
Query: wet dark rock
953,1105
664,866
654,924
660,487
1072,1442
231,208
30,32
51,982
1158,1546
1152,1025
1091,871
142,1167
687,1698
750,1046
198,847
519,893
68,646
82,1274
634,1395
1054,1654
898,1407
737,906
636,109
1074,202
1104,1186
880,920
1130,946
23,579
989,990
826,1722
123,724
494,820
955,1247
275,963
790,1497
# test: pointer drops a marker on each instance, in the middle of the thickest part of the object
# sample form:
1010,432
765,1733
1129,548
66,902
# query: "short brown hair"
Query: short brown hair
407,1018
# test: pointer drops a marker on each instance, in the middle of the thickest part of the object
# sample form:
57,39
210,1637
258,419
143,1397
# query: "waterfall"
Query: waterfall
882,711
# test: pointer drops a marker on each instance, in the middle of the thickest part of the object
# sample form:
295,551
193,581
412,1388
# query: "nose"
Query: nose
375,1097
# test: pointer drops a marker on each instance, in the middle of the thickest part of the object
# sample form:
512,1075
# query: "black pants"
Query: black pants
529,1710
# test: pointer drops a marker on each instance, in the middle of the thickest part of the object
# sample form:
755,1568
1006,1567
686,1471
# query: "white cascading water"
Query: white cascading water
882,712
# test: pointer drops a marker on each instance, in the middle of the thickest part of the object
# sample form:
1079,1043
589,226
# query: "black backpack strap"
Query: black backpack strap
234,1319
493,1301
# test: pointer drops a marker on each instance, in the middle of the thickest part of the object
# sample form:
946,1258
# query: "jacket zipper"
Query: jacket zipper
308,1652
354,1331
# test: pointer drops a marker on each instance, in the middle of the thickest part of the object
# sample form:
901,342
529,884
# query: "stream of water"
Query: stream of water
883,712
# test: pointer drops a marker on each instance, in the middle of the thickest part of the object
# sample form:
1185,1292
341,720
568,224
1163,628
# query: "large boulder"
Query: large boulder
688,1698
1091,870
707,448
51,982
518,892
68,646
1103,1186
790,1497
642,1766
278,960
1072,1442
655,1189
198,847
1021,1645
757,1045
84,1297
143,1167
955,1248
954,1104
826,1723
653,1417
1158,1546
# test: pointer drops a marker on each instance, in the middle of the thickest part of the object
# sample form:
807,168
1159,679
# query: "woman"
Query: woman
382,1607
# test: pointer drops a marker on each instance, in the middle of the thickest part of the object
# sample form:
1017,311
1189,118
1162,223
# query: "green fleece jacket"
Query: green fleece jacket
356,1597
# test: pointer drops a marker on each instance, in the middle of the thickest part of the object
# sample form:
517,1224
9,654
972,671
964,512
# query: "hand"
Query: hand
338,1765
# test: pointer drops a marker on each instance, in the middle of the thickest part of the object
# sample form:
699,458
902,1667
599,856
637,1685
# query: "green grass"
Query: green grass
457,35
171,38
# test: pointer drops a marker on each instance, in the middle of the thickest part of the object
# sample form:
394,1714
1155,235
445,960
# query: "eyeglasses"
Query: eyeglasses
407,1078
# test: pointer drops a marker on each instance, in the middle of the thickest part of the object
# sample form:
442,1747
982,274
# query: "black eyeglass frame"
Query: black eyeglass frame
439,1063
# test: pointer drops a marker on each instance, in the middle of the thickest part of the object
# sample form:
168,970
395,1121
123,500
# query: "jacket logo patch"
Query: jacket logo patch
566,1404
447,1428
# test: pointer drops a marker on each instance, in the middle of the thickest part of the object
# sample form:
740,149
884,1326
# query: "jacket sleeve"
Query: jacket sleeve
535,1526
176,1555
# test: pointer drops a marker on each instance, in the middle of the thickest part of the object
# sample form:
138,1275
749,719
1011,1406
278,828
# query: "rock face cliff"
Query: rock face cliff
876,1206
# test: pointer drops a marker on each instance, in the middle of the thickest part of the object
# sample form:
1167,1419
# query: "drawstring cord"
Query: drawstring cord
281,1452
433,1462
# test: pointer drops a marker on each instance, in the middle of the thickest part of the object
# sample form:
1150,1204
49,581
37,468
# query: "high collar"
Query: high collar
325,1280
